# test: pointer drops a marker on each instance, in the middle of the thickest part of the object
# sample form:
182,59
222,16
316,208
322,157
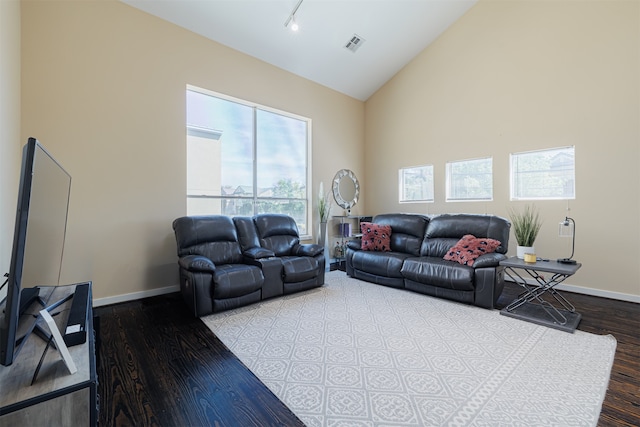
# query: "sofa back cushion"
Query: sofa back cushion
407,231
247,234
276,232
444,231
212,236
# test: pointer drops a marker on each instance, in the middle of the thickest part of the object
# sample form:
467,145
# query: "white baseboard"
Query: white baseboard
135,295
175,288
593,292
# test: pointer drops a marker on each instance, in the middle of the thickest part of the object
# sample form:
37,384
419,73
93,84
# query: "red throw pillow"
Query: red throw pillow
375,237
471,247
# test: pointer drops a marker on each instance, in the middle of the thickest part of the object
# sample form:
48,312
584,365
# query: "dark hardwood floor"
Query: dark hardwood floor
159,366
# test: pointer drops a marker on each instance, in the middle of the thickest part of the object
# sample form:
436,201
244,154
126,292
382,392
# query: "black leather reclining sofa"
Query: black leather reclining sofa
418,245
228,262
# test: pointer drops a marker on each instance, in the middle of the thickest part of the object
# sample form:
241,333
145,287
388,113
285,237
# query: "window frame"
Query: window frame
448,181
255,199
513,174
402,188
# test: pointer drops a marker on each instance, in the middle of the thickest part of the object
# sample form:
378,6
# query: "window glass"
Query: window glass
244,159
543,174
470,180
416,184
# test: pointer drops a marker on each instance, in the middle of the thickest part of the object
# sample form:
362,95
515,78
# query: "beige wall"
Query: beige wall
104,90
9,127
515,76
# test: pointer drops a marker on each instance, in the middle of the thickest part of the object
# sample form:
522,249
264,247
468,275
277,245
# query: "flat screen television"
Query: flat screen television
38,246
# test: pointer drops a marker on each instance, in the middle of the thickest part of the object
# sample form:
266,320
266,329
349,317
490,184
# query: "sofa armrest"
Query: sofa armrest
258,253
197,263
489,260
355,244
307,249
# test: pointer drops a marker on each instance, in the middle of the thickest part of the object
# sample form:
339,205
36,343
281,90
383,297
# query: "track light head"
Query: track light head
291,19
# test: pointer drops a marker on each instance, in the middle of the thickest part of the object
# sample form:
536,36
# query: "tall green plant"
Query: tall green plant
526,225
324,204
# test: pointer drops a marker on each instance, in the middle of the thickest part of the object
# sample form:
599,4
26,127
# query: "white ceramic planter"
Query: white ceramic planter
521,250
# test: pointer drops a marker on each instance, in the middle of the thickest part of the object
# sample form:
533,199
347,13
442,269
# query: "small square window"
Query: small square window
543,174
416,184
470,180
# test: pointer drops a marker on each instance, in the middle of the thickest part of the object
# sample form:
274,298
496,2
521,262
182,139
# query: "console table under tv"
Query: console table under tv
531,304
57,397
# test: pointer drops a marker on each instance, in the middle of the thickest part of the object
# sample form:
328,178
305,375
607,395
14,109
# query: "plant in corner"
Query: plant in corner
526,226
324,204
324,208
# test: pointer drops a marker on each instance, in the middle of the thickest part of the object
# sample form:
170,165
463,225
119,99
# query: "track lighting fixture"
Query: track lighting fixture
291,19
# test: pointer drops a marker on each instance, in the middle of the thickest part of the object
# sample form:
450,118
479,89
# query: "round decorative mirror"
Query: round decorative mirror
346,189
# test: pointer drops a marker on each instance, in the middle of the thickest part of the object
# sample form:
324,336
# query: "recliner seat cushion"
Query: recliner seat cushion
386,264
234,280
438,272
298,269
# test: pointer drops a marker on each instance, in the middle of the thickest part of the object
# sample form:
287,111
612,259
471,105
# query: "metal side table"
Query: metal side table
531,305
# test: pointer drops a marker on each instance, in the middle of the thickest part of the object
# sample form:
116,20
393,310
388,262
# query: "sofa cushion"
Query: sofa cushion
386,264
211,236
234,280
375,237
454,226
277,232
470,247
298,269
407,231
438,246
438,272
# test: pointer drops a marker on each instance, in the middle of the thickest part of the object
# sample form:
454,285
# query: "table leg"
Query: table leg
535,292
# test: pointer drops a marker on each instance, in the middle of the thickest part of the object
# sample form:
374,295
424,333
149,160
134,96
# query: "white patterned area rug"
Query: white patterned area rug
353,353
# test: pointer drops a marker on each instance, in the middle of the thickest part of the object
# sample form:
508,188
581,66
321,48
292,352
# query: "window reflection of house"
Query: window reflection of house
239,200
562,166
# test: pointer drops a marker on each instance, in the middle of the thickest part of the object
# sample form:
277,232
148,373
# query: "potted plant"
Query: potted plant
526,226
324,208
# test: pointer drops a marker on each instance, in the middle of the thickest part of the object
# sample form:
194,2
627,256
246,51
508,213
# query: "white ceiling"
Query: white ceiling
395,31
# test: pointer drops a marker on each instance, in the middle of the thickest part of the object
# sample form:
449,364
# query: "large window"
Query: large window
416,184
543,174
470,180
245,159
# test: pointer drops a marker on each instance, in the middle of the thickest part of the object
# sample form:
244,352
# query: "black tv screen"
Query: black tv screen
38,245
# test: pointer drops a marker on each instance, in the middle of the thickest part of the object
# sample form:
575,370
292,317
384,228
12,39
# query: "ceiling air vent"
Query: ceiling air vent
354,43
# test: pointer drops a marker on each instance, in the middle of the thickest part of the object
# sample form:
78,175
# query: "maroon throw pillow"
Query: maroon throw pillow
471,247
375,237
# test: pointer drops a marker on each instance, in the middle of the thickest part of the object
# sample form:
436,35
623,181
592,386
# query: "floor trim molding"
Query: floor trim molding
98,302
176,288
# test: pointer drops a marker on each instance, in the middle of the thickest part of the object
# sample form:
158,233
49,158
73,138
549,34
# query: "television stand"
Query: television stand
57,397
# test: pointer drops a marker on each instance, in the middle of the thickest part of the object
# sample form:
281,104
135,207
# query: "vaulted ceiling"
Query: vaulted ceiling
392,32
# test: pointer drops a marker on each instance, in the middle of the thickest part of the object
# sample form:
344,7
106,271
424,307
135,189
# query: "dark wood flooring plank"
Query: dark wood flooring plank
160,366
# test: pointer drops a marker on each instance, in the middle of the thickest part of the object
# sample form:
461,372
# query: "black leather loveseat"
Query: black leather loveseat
228,262
415,261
